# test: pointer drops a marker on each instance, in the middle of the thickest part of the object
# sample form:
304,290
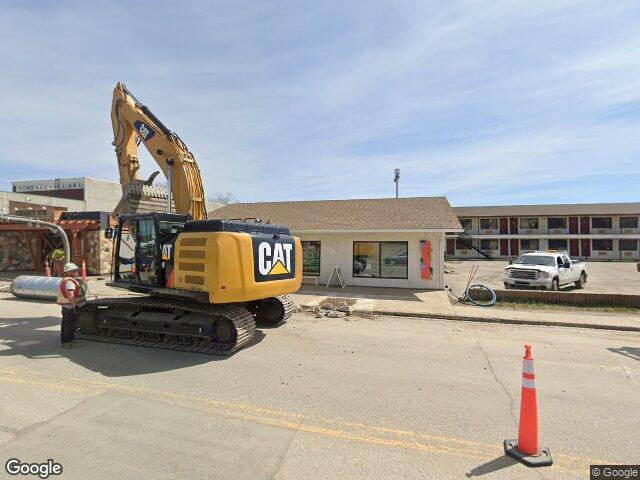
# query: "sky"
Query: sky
485,102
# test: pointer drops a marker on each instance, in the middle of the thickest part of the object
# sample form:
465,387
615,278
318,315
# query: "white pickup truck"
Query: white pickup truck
545,270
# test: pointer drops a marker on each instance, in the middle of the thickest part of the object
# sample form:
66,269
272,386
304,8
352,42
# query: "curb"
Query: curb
507,321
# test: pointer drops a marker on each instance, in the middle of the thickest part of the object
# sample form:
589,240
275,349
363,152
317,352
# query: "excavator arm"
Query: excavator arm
133,123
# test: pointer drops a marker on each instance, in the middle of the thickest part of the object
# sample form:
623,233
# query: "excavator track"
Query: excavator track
168,324
274,311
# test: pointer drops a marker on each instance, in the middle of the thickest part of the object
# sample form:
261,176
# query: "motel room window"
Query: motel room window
529,244
628,245
601,222
557,223
467,224
628,222
310,258
602,244
487,244
529,223
558,244
380,259
489,223
460,245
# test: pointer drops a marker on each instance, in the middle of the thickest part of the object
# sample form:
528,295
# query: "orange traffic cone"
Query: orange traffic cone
526,448
84,270
47,270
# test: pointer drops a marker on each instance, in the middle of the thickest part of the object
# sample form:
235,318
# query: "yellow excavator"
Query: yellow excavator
207,282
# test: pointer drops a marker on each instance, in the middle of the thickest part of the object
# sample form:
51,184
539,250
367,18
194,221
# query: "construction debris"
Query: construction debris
333,307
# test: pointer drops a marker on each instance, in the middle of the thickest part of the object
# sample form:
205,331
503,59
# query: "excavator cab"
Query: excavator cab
143,259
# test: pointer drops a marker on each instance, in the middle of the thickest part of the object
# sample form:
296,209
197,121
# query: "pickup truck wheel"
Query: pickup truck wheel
555,285
583,279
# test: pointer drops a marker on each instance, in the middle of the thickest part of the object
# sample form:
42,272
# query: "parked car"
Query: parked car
545,270
399,258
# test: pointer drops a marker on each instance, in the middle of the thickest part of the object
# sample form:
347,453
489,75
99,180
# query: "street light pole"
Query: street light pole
396,179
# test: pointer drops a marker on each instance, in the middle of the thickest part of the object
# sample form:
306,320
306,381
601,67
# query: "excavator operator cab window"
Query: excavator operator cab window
147,251
170,227
125,268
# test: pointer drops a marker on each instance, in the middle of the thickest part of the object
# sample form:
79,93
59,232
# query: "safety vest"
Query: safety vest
79,284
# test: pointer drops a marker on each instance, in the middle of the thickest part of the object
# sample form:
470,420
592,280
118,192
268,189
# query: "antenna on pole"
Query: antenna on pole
396,179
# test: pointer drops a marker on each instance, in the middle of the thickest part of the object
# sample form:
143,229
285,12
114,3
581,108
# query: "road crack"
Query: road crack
512,402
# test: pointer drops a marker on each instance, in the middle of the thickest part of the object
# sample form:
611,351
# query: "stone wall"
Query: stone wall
99,252
14,252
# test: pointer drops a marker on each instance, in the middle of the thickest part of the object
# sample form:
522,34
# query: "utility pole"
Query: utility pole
396,179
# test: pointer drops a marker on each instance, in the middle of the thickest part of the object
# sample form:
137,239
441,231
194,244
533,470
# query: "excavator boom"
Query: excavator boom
133,123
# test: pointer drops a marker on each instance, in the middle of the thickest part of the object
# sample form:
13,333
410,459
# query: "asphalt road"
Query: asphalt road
316,398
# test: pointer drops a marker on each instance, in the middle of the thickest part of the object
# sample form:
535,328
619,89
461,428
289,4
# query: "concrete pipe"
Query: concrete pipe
34,286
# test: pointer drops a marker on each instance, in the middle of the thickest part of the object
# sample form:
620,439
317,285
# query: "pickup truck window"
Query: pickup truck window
560,262
535,260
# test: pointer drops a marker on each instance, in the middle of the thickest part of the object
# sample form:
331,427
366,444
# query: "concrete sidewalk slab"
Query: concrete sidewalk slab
437,304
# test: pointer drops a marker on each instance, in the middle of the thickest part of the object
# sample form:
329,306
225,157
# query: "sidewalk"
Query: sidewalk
437,304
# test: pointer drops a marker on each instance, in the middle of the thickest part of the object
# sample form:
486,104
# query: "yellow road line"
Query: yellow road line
341,429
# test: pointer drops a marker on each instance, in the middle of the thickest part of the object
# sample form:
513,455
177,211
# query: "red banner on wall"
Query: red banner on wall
425,260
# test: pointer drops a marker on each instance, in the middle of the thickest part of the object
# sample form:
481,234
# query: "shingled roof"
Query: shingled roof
416,213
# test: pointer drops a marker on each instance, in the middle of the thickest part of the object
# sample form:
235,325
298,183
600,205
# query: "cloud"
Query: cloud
486,102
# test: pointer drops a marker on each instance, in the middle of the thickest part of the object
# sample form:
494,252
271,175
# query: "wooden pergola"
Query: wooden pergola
40,241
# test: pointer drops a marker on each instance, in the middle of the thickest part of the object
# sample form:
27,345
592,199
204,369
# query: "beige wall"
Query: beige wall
337,248
101,195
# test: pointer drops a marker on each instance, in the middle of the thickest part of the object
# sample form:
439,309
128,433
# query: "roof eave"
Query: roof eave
380,230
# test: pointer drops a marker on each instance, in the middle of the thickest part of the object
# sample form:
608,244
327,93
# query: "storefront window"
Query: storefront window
311,258
529,223
602,244
380,259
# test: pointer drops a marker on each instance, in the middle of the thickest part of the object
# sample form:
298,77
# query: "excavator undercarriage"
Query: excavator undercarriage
178,324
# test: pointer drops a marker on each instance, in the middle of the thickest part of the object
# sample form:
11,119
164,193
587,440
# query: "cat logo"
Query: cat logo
145,132
277,262
274,259
166,251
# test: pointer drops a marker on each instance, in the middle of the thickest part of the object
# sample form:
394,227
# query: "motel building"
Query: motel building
599,231
386,242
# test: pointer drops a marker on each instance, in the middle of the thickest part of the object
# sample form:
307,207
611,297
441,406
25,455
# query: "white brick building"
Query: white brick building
377,242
